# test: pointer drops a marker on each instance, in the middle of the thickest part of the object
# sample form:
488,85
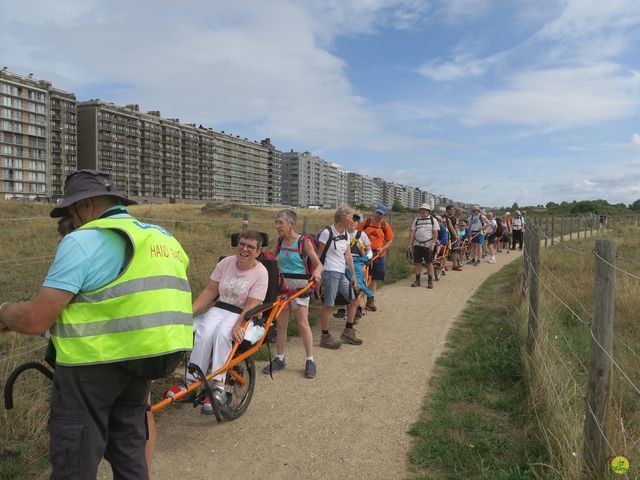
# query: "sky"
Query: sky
489,102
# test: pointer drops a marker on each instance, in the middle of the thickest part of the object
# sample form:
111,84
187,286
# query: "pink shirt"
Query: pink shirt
236,286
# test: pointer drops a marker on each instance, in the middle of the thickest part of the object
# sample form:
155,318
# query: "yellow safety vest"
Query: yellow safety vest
145,312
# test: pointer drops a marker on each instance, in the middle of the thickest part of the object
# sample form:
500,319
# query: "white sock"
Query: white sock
309,358
280,357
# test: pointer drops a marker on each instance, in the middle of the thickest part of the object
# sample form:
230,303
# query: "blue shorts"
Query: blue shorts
478,239
378,269
332,283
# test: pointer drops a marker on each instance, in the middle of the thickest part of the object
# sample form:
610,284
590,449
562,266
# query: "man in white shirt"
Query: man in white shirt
517,227
335,254
423,238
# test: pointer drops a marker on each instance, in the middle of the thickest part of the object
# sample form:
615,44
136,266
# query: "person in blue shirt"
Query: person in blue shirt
292,257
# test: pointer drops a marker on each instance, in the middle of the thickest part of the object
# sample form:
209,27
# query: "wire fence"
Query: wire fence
589,371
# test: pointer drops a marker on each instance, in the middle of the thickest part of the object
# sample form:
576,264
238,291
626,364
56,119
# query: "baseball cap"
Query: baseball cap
87,184
382,209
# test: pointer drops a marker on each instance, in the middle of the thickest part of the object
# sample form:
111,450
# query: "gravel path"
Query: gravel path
349,422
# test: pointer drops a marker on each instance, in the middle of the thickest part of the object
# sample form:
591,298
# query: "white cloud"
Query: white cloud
463,66
635,140
558,98
260,64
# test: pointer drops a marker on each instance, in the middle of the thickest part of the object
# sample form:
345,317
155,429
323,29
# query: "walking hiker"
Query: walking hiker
381,236
492,233
517,228
335,255
293,252
119,314
423,239
477,222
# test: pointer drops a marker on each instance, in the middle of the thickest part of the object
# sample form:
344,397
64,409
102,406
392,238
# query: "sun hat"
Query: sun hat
476,207
382,209
87,184
508,213
425,206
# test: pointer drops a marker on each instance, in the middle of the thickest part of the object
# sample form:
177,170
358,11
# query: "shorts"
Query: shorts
297,284
491,239
378,269
422,254
332,283
478,238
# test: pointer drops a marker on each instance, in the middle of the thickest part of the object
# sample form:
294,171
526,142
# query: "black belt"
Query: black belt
228,307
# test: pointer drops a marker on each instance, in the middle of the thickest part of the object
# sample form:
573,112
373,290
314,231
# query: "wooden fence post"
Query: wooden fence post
534,287
546,232
579,226
561,229
600,354
553,223
570,227
245,221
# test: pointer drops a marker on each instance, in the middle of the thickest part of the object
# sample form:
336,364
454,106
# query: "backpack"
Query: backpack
417,223
332,238
383,226
306,260
357,246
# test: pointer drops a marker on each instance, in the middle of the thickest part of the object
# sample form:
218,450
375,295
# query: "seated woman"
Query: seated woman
239,283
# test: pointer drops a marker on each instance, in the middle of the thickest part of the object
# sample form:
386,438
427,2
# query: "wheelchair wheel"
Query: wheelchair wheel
462,259
240,394
437,271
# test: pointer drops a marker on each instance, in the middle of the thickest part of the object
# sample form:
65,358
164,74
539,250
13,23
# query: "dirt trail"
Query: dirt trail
349,422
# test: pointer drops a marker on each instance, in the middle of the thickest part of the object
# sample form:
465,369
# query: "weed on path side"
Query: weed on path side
472,425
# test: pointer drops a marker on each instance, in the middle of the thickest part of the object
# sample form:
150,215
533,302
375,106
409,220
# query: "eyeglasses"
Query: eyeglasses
251,248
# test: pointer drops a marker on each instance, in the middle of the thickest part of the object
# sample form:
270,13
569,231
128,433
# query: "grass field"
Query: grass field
494,412
28,240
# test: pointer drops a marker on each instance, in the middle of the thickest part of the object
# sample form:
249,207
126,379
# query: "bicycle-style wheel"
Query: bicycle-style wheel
240,394
437,269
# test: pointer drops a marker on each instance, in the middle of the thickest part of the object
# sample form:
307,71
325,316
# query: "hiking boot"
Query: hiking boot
219,397
274,365
327,341
349,336
371,304
416,283
340,313
174,389
430,284
456,269
310,369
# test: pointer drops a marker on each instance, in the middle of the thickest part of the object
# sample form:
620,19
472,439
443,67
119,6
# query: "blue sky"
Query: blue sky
484,101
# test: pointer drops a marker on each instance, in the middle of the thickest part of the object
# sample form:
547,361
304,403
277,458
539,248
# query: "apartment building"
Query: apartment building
37,137
308,180
160,158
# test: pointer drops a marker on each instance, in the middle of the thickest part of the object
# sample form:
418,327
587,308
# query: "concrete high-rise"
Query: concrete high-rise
37,137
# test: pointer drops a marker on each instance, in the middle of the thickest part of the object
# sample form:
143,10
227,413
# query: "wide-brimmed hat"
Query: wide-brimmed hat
425,206
87,184
476,207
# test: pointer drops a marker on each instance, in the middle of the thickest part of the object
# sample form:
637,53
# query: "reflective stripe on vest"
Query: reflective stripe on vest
144,312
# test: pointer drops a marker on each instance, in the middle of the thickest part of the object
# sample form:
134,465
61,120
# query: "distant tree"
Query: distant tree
398,207
564,204
552,205
515,206
635,206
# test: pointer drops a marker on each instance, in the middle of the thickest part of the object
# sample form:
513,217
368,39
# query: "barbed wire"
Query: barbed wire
602,434
566,289
615,267
635,262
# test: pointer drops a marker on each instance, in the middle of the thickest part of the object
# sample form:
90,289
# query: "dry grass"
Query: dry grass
556,371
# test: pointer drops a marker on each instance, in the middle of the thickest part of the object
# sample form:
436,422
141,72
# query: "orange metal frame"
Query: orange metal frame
233,360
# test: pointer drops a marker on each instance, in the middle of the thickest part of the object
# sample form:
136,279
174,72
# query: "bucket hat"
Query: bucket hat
87,184
425,206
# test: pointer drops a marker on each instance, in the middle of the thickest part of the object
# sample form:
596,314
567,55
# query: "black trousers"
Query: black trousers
517,238
98,411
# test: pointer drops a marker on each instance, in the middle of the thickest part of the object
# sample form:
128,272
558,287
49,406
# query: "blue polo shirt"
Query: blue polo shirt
87,259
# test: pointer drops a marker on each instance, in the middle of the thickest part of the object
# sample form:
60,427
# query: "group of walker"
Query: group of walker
436,238
118,306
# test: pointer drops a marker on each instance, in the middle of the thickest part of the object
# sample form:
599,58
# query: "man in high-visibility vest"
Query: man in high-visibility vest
117,303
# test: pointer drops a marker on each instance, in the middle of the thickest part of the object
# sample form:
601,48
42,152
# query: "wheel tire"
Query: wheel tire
240,394
436,272
462,260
